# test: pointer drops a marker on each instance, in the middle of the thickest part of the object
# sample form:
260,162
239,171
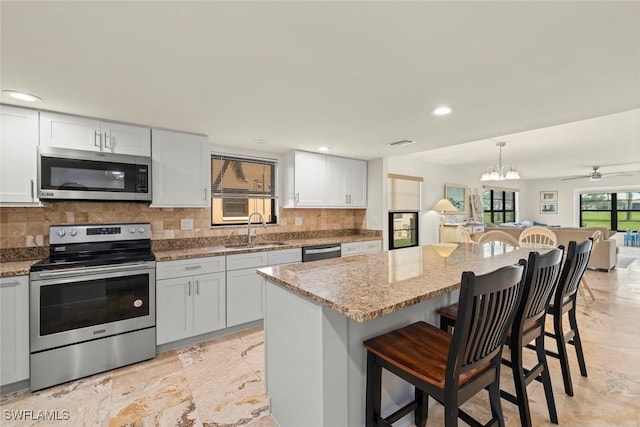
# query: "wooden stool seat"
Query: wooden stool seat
420,349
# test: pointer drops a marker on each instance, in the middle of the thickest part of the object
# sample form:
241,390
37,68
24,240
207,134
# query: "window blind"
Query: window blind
405,193
242,177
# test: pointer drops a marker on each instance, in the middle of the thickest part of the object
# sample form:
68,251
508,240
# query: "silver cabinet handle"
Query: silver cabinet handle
97,140
106,138
33,196
346,198
197,287
193,267
205,193
349,198
9,284
297,197
189,289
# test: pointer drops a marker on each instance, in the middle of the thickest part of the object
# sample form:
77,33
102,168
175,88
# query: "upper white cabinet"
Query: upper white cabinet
18,155
82,133
318,180
180,169
14,329
346,182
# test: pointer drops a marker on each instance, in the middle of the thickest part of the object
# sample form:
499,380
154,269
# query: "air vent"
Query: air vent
403,142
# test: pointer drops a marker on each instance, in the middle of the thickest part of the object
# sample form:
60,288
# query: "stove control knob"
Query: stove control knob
141,230
132,230
73,232
61,233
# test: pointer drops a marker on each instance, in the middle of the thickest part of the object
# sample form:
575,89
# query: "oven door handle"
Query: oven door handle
93,270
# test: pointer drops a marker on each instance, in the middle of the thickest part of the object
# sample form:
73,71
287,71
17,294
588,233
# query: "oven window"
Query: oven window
68,306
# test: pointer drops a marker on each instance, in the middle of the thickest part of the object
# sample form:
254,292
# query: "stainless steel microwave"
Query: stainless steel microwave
65,174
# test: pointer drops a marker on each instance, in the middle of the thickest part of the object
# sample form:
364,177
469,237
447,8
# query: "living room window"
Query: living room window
617,211
240,186
499,205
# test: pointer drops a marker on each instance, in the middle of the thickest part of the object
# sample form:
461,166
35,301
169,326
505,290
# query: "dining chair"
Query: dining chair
539,236
597,236
564,301
450,368
498,236
463,235
528,325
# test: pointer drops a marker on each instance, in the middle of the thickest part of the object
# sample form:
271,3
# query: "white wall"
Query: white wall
568,210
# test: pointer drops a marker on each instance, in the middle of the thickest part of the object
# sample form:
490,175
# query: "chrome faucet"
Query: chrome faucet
264,224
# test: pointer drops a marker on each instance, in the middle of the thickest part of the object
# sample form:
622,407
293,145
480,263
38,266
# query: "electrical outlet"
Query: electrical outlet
186,224
298,220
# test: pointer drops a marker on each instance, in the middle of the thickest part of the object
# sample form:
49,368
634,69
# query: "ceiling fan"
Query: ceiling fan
596,175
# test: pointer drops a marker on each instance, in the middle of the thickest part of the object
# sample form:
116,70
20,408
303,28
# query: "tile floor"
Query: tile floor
219,383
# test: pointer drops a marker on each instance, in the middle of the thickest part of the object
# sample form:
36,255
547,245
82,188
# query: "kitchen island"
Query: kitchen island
318,314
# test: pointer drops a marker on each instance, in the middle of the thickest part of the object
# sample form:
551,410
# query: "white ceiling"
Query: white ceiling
351,75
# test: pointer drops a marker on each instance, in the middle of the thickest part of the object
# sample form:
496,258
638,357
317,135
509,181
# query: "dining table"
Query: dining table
317,315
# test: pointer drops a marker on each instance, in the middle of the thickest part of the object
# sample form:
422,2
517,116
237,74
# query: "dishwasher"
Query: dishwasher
318,252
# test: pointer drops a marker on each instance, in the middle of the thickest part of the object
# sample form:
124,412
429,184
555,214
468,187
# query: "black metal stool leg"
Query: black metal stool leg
373,395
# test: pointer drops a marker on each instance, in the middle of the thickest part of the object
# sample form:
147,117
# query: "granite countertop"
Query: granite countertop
185,253
366,287
19,268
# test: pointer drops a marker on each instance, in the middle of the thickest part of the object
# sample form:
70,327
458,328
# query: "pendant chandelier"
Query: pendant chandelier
499,172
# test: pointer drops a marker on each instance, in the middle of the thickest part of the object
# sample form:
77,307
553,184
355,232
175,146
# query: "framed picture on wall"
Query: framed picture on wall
549,196
548,208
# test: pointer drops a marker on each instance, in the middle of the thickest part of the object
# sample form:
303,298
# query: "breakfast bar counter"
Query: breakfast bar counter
318,314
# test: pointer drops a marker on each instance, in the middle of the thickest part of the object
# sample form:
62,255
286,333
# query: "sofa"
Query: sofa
603,257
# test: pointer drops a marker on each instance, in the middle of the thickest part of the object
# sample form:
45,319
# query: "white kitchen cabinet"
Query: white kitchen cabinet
346,182
245,288
191,298
318,180
180,169
18,156
310,182
83,133
358,248
14,329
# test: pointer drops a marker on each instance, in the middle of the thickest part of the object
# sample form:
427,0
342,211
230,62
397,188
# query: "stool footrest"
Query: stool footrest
409,407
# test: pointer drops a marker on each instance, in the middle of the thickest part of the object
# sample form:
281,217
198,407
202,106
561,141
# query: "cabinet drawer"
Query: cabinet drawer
284,256
477,229
188,267
352,248
253,259
372,246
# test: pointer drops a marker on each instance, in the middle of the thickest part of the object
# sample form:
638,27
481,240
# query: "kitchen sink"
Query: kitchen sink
255,245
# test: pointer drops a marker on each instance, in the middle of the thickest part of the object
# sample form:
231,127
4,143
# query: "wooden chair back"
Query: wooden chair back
463,235
538,235
596,236
543,272
487,305
574,267
498,236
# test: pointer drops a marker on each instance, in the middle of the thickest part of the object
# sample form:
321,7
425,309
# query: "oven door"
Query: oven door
76,305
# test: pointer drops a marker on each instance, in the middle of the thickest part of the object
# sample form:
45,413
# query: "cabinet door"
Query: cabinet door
209,303
351,248
310,172
126,139
14,329
61,130
174,309
244,296
18,155
357,176
338,181
181,164
371,246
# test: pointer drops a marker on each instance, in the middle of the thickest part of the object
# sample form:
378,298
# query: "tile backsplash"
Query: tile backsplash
29,227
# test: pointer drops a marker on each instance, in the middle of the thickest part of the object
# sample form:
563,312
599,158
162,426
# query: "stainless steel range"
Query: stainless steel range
92,302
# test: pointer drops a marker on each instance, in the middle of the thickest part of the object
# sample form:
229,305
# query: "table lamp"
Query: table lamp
443,205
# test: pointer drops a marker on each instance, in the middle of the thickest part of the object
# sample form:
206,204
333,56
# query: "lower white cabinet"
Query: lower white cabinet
245,288
190,298
358,248
14,329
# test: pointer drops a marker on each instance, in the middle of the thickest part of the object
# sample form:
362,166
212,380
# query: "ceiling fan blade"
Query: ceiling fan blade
575,177
617,174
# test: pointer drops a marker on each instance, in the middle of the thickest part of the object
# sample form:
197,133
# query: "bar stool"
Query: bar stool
449,368
528,325
564,301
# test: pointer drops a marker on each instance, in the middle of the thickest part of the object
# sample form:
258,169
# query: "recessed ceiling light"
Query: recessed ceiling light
21,96
323,148
442,111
